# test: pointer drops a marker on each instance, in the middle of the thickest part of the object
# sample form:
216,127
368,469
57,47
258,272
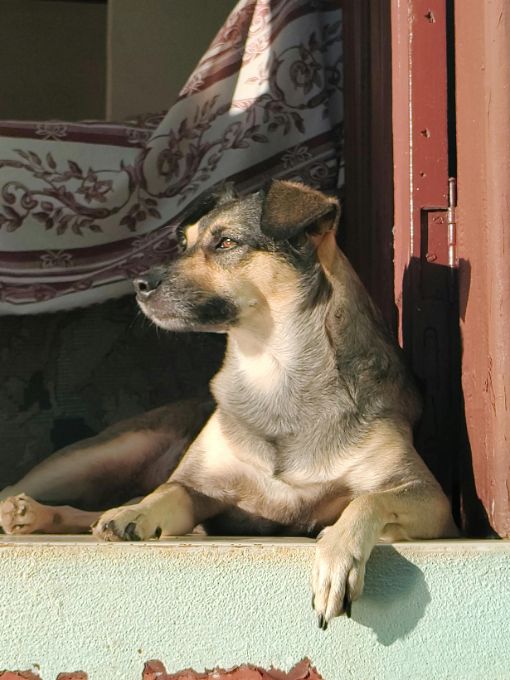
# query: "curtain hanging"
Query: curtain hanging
84,207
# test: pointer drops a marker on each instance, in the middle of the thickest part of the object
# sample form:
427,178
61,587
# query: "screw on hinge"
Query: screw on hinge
452,235
452,223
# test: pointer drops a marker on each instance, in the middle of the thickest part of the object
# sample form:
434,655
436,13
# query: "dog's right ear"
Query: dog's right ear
290,208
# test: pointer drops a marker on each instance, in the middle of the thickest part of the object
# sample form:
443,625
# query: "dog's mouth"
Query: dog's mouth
211,314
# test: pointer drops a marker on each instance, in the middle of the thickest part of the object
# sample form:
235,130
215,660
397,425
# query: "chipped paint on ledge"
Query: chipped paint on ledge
155,670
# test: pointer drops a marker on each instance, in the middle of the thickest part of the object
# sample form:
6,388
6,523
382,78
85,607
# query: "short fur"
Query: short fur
312,431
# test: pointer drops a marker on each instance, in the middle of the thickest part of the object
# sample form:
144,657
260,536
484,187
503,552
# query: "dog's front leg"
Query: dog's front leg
411,511
171,510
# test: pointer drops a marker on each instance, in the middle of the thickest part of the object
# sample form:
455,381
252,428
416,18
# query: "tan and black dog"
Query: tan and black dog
312,429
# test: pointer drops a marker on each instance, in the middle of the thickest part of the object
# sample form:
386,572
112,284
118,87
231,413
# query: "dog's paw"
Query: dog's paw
22,515
129,523
338,576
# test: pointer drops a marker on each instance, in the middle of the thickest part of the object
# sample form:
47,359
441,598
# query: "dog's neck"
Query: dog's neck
270,366
280,364
292,341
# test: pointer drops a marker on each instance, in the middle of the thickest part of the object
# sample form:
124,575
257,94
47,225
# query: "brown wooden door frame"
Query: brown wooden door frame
401,146
425,261
483,151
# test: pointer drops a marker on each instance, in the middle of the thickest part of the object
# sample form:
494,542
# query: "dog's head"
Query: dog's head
243,257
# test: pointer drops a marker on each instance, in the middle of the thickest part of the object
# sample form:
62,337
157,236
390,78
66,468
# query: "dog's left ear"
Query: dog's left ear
289,208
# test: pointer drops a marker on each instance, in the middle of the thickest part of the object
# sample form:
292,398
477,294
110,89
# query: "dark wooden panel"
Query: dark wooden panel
368,205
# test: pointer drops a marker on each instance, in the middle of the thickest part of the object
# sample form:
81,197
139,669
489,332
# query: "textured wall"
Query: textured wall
437,610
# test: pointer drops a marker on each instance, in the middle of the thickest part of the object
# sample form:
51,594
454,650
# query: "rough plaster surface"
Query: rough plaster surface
430,610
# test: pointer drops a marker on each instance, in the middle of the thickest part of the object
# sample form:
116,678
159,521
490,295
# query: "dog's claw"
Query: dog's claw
347,608
130,532
347,603
323,624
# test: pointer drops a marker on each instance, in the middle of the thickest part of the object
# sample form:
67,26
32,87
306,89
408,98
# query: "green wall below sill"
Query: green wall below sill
430,610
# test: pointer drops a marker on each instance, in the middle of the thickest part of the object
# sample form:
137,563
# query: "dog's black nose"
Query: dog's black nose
146,284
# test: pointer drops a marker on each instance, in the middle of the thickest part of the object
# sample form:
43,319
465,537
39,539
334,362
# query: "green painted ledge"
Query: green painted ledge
431,610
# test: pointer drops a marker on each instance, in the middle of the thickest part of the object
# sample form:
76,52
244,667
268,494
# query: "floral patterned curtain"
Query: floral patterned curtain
86,206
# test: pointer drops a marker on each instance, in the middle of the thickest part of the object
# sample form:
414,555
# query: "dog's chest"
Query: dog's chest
277,481
289,498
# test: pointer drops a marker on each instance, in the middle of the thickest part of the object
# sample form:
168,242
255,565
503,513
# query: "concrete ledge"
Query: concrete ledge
431,610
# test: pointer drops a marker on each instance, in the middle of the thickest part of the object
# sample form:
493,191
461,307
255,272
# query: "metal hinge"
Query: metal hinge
452,222
439,230
439,243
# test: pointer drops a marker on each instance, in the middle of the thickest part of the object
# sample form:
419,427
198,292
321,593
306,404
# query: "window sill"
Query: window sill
431,609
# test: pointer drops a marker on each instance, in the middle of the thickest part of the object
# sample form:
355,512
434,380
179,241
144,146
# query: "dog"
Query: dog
311,430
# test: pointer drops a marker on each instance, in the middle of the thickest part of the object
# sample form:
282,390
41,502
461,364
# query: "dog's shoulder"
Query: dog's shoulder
368,358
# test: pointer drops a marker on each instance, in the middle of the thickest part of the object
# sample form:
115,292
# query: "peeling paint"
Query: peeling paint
155,670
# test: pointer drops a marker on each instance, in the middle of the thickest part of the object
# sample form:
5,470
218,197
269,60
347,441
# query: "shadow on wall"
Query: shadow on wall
432,344
391,609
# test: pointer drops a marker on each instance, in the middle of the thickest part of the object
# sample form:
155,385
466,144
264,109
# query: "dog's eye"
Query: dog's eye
226,243
182,240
